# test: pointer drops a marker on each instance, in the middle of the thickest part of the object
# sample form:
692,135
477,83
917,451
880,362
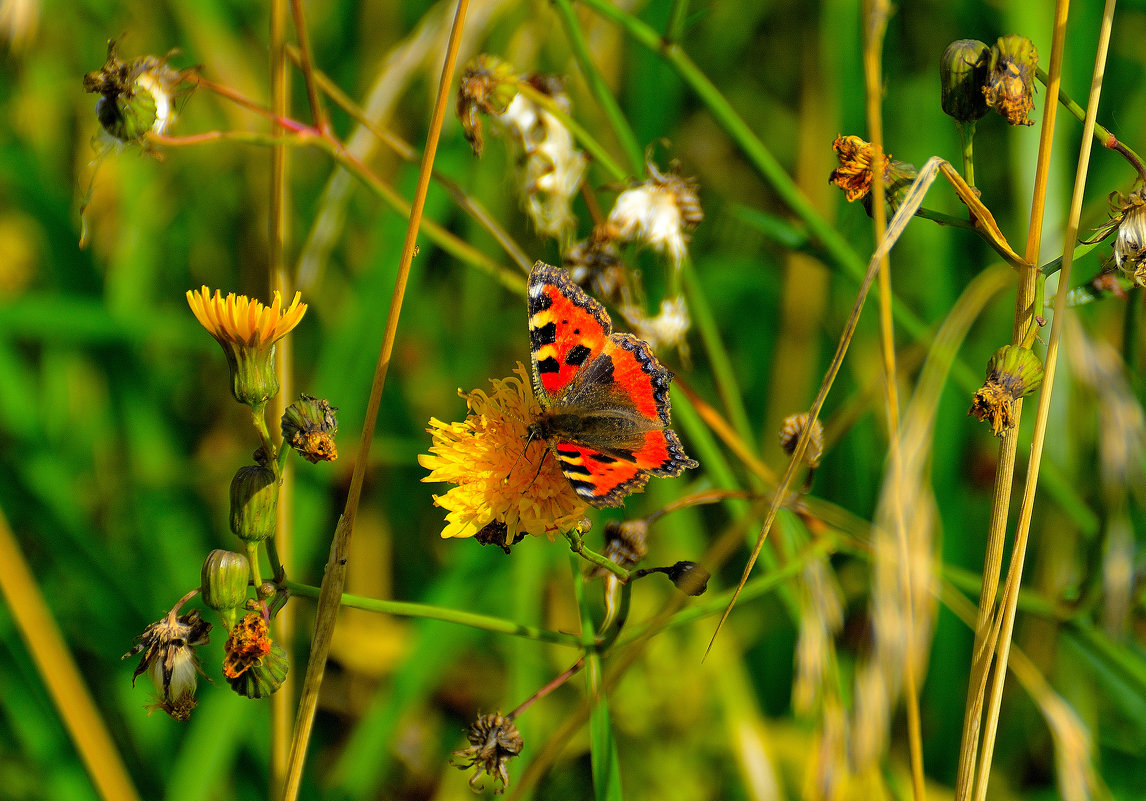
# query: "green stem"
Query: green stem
598,87
677,16
836,247
253,560
259,420
425,611
727,387
1104,136
967,137
577,546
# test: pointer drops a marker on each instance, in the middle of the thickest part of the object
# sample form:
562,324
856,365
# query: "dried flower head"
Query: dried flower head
854,175
501,476
659,212
1128,218
488,85
790,431
136,97
1013,372
254,665
1010,88
667,329
494,740
962,74
627,542
247,331
169,658
551,168
594,262
309,425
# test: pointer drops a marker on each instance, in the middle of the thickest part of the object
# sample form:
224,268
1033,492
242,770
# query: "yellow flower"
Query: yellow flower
501,477
247,331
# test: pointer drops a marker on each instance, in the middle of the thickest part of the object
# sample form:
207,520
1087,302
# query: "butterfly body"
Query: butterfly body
604,396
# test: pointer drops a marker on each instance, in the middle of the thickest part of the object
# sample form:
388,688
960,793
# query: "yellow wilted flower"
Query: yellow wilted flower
502,478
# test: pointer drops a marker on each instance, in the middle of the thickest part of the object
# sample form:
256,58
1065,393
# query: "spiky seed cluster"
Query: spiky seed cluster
1010,87
494,740
169,658
659,211
1013,372
790,431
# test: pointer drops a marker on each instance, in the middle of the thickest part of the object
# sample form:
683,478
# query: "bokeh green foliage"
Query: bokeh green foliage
118,435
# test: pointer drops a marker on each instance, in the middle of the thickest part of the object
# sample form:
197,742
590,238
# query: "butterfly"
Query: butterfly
604,396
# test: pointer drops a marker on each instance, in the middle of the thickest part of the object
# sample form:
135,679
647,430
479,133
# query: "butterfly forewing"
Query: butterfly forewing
604,396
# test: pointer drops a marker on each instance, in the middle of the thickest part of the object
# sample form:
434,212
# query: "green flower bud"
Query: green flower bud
962,75
1013,372
309,425
254,503
224,581
1010,88
127,116
264,678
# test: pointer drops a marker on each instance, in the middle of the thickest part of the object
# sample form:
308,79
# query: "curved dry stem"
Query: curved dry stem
1006,618
281,545
334,578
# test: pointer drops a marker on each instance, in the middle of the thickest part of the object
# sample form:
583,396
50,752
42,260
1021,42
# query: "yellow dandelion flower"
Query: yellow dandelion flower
502,478
247,331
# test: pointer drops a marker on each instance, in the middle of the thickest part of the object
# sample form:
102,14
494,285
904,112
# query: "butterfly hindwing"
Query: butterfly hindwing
604,396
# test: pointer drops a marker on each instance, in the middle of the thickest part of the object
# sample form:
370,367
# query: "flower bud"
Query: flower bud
962,75
1013,372
254,503
1010,88
223,584
253,665
689,577
310,426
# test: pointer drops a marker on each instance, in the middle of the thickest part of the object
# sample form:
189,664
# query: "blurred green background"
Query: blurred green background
118,436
